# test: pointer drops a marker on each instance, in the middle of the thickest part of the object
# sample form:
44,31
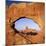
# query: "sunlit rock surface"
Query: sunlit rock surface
30,10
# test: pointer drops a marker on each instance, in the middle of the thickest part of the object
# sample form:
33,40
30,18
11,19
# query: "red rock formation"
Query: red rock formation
30,10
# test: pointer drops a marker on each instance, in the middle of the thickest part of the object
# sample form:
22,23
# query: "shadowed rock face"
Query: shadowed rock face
30,33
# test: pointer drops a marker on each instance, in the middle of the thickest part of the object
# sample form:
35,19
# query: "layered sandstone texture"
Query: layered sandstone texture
33,11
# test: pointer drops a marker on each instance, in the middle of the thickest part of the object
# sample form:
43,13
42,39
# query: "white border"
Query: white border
2,24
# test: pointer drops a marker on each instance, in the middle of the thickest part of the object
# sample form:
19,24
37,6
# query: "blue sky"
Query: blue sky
22,23
8,2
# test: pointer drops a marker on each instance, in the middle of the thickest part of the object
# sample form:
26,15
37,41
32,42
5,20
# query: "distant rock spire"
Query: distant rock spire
26,27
